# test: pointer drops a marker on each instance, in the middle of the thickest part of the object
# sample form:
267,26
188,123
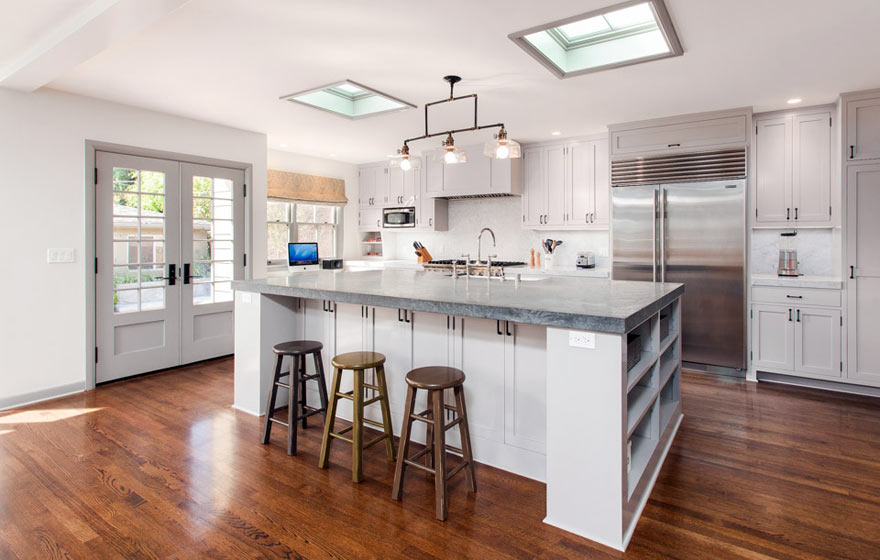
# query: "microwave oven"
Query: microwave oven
399,217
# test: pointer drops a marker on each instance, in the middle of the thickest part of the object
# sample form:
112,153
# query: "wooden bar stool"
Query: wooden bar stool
358,362
297,408
435,380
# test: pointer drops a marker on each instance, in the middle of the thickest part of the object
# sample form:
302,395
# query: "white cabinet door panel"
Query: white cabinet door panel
554,214
482,360
535,196
580,182
863,129
811,175
525,387
396,179
773,337
773,196
817,341
390,335
601,185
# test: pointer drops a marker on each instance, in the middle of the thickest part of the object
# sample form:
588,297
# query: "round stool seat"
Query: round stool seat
358,360
297,347
435,378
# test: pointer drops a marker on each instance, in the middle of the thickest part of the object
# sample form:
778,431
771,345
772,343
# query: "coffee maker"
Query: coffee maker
788,262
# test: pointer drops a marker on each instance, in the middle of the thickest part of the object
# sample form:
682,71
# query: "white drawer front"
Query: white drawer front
796,296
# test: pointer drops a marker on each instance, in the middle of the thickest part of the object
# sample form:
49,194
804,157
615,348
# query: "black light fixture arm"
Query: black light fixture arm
452,81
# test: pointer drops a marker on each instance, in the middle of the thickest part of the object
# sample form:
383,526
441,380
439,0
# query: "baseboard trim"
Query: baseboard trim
41,395
246,411
819,384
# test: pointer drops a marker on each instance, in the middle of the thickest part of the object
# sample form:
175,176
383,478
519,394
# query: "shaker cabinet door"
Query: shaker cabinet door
773,337
773,182
817,341
863,129
811,172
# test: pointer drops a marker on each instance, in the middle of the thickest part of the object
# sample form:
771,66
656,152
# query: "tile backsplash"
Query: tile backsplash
503,215
815,247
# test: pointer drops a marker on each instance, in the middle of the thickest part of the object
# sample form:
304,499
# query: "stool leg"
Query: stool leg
386,413
429,433
440,506
270,406
322,383
357,430
403,447
302,389
465,434
292,405
324,459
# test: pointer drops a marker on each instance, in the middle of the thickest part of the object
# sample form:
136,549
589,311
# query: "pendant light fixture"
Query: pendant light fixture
500,147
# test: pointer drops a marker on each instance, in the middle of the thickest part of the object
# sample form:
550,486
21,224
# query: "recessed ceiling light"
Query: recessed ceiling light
555,133
619,35
794,100
282,145
348,99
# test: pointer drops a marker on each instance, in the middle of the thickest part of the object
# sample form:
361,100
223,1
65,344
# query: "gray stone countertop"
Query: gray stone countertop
592,304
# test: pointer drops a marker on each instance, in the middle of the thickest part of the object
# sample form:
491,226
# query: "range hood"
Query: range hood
478,177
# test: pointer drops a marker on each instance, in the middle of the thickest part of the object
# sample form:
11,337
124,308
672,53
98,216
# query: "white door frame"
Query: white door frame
89,253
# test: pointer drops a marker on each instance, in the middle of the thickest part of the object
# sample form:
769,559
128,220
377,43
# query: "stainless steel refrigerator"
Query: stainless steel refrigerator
693,233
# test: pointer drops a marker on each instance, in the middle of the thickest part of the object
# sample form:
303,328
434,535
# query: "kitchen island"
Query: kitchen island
574,382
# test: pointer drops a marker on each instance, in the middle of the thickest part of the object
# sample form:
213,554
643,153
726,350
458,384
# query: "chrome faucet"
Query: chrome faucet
467,265
480,244
489,266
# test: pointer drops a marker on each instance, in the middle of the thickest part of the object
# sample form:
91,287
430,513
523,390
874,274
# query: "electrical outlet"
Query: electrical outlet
579,339
61,255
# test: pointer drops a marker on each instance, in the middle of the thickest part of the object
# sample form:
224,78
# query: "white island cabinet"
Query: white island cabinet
578,388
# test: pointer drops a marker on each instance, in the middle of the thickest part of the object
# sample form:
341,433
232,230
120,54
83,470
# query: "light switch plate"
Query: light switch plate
61,255
579,339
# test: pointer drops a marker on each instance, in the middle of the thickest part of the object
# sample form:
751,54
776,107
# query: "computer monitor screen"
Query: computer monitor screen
301,254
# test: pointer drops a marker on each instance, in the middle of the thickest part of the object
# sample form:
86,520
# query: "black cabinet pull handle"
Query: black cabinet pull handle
799,316
795,213
672,145
406,316
794,297
507,328
399,317
789,315
498,328
852,152
852,272
788,213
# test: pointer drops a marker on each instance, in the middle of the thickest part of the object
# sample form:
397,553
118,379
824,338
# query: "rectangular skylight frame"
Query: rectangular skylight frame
664,25
366,94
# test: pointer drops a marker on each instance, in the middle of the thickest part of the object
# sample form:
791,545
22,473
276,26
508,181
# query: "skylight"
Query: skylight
629,33
349,99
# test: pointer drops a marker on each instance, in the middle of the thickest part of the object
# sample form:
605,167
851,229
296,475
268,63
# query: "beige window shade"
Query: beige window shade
298,187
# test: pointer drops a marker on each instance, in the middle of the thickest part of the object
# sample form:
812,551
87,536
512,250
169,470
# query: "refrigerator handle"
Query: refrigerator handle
654,238
663,235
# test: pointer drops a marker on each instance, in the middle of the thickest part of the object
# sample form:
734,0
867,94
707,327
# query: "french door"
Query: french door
169,242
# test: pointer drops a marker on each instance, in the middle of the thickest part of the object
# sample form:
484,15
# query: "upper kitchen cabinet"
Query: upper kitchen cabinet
402,186
478,176
373,185
680,134
793,172
566,186
863,126
431,213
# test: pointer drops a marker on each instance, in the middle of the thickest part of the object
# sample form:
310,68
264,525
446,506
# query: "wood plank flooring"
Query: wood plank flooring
162,467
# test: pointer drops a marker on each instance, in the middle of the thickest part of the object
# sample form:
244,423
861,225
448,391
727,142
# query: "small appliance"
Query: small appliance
302,256
585,259
399,217
788,262
331,264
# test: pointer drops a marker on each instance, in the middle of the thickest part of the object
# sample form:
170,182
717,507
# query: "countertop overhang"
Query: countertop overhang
591,304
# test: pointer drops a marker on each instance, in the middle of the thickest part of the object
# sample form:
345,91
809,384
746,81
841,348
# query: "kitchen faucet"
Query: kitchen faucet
480,244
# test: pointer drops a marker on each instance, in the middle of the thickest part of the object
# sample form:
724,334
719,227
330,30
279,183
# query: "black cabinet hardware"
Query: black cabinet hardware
399,316
789,314
406,316
852,152
852,273
794,297
798,315
795,213
673,145
507,328
498,328
788,213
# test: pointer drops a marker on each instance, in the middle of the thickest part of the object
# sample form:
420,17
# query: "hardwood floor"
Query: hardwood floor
162,467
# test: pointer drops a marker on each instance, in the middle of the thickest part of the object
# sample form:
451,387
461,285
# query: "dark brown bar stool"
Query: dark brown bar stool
435,380
358,362
297,408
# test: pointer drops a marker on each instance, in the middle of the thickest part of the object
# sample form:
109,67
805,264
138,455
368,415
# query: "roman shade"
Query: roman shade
311,189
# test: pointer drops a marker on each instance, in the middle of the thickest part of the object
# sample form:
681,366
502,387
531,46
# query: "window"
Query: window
289,222
619,35
348,99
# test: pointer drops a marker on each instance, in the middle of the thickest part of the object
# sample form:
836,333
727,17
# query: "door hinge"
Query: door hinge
96,354
96,265
244,259
244,190
96,176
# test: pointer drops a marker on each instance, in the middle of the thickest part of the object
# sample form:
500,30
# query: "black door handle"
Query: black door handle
172,275
186,276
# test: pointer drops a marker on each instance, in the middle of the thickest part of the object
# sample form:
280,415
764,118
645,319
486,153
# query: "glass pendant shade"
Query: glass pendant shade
405,162
450,155
502,148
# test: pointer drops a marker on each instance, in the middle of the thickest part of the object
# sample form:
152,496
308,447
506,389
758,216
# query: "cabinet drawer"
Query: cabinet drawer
675,137
796,296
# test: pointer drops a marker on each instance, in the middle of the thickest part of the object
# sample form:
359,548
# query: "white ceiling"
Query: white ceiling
228,61
23,26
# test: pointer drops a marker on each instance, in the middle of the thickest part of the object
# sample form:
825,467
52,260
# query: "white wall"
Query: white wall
467,217
43,182
298,163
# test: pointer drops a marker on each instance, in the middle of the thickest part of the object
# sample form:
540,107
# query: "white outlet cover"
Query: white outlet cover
580,339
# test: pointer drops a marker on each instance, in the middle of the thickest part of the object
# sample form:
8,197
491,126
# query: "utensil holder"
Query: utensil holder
548,260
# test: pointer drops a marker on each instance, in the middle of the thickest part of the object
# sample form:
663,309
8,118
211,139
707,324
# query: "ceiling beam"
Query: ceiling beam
81,37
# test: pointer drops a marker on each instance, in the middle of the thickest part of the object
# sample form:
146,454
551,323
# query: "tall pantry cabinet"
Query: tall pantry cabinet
861,162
